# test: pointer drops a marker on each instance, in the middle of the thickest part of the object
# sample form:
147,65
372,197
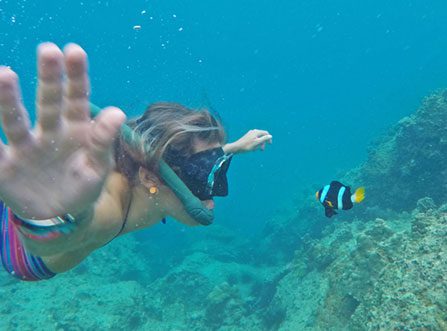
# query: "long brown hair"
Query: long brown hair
165,128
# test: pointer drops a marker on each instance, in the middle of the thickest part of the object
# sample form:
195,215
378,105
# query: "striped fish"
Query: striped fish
338,196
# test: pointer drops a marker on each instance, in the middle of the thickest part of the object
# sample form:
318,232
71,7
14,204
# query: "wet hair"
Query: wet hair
165,130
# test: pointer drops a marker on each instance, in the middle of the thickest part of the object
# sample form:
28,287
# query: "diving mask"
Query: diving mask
204,173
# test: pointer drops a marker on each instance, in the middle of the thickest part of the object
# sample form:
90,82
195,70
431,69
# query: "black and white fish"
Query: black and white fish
338,196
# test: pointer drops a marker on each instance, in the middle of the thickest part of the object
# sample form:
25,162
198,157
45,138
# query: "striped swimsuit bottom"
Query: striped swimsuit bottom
15,259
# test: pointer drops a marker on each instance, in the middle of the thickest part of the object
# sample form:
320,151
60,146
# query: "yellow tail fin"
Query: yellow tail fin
359,195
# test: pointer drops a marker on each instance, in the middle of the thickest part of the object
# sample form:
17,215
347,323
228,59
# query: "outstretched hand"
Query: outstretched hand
60,165
251,141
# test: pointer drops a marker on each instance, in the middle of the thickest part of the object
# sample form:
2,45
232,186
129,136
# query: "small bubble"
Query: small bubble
180,29
143,12
137,27
174,16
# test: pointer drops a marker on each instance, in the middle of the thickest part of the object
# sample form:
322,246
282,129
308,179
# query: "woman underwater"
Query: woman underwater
72,184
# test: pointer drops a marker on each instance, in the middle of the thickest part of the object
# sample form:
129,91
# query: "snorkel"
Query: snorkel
192,204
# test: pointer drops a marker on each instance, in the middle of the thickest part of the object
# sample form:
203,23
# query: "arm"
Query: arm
251,141
98,223
94,225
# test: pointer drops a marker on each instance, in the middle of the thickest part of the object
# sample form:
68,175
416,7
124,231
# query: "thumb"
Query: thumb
105,128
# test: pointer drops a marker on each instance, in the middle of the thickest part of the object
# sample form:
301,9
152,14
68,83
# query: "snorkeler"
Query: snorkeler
338,196
72,184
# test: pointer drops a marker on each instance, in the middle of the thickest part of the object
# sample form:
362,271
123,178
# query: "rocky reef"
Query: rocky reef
377,275
382,266
408,163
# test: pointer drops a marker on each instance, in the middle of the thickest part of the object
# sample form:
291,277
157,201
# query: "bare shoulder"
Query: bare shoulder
109,208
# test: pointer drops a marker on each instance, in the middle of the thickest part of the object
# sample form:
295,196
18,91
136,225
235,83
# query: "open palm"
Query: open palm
59,166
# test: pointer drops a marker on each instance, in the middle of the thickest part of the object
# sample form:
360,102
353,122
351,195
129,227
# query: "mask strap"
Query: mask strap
192,204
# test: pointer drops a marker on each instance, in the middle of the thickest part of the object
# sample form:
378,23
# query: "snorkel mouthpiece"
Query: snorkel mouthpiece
192,204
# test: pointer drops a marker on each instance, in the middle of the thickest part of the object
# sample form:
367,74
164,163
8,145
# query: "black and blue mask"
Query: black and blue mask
204,173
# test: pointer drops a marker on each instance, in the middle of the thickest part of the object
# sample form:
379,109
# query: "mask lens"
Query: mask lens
204,173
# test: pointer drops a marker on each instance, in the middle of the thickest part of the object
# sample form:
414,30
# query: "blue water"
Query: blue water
324,77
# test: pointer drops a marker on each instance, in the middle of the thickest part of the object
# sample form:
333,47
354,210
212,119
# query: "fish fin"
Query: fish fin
330,204
317,195
329,212
359,195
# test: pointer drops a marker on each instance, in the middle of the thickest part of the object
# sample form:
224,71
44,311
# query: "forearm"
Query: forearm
231,148
251,141
84,216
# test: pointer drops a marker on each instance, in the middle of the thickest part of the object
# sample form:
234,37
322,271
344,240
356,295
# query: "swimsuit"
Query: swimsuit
14,256
15,259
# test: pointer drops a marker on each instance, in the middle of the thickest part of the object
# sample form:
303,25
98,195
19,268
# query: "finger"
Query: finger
264,139
77,87
15,120
106,127
49,90
260,133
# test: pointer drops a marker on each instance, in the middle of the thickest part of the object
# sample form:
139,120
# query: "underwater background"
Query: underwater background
350,90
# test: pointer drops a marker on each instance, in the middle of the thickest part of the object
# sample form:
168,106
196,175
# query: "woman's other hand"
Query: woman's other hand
60,165
251,141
